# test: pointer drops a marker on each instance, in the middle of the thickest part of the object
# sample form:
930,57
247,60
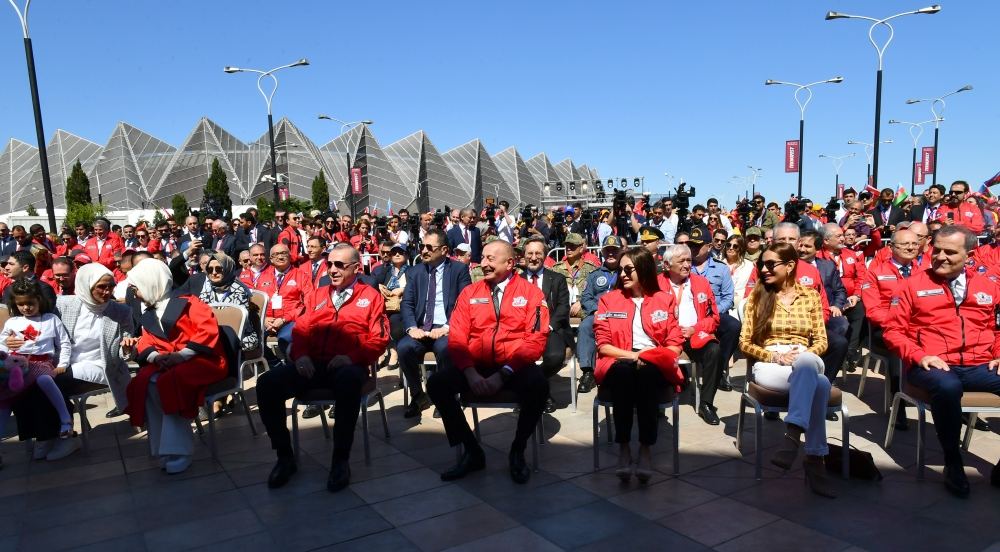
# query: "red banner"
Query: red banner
791,156
927,159
919,170
840,191
356,181
283,193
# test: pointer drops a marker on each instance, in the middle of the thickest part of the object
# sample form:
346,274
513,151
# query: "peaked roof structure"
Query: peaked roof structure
476,171
381,186
17,162
419,164
130,167
515,172
63,150
297,157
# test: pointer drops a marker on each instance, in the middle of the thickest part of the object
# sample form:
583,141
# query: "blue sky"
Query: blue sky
632,88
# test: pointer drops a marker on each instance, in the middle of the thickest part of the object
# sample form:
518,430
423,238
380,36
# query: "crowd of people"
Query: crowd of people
503,300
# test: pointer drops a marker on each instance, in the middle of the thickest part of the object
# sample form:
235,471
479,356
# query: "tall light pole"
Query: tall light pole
868,154
756,173
880,50
916,129
803,101
270,120
344,126
838,162
36,105
938,114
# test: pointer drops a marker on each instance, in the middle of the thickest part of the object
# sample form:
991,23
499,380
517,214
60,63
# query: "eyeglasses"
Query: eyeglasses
906,245
386,252
769,265
279,254
244,261
957,192
429,247
732,246
104,287
341,265
214,270
628,270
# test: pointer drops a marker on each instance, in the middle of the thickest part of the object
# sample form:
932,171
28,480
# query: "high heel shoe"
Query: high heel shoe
785,456
815,477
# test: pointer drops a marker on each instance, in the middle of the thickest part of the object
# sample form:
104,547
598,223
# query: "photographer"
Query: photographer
887,215
395,233
505,223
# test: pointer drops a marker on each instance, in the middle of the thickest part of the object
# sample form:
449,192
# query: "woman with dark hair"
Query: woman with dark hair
391,280
783,332
740,269
638,341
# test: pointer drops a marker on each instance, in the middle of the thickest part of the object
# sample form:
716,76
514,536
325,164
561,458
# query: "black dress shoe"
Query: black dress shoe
550,406
311,411
340,476
995,476
519,470
418,404
586,383
955,481
114,413
470,461
707,413
832,417
282,472
724,385
771,416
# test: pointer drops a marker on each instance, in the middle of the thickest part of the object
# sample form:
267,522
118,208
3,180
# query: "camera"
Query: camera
794,208
682,203
831,209
440,219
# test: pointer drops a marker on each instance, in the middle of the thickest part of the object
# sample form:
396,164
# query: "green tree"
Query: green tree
217,191
82,212
320,192
181,208
296,205
77,186
158,218
265,210
32,212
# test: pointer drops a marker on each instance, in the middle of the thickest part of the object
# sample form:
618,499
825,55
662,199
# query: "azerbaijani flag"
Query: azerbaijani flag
984,190
901,196
995,179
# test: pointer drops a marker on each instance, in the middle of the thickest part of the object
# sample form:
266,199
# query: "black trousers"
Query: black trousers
396,329
836,350
729,337
554,357
411,356
709,359
855,320
638,390
528,384
284,382
36,417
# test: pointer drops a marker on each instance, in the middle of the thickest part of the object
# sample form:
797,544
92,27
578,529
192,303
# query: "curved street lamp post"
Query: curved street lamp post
838,162
916,129
938,114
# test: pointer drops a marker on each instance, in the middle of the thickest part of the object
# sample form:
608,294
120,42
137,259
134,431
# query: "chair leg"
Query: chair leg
967,440
246,409
845,428
364,429
864,375
890,430
198,426
572,382
607,421
695,385
597,462
326,425
758,439
475,422
385,420
921,423
295,427
81,409
677,436
406,389
211,432
739,424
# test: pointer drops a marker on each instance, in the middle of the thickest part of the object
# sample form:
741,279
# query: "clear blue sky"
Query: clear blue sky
632,88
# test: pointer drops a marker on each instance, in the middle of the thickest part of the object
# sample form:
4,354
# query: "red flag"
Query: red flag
356,181
919,170
927,159
791,156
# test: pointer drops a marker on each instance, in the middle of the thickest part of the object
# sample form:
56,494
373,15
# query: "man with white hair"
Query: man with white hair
222,239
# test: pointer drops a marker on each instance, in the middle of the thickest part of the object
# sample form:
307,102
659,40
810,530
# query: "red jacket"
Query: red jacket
106,254
290,237
613,325
359,329
925,320
879,285
287,300
477,338
923,260
988,255
807,275
307,269
848,266
967,214
704,302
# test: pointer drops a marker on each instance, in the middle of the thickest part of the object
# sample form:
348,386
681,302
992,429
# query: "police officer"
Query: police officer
575,267
598,283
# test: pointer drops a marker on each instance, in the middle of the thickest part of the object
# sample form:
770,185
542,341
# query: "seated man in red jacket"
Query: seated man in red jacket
497,330
343,331
943,326
959,210
698,317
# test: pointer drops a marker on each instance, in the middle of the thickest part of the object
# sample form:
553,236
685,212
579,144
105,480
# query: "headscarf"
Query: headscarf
86,278
153,281
229,272
229,290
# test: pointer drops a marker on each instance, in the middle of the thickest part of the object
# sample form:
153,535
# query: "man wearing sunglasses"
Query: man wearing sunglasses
959,210
575,268
291,239
766,217
432,288
342,333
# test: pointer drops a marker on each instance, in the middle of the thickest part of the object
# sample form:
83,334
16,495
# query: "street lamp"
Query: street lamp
937,113
868,154
838,162
43,155
803,101
344,125
880,50
756,173
916,129
267,99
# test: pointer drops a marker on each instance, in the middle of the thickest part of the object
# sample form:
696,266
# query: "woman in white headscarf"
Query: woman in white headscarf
180,355
100,329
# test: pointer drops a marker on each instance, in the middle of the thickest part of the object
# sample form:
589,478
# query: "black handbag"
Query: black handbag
862,463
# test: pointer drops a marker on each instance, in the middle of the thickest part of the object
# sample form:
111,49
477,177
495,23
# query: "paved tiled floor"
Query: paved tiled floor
115,498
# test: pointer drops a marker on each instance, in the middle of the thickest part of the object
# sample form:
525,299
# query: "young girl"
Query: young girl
45,347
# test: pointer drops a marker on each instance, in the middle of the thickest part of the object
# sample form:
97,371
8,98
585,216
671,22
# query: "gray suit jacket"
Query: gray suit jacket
117,323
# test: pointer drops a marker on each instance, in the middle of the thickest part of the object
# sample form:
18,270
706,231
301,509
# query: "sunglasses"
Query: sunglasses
732,246
341,265
769,265
214,270
142,235
104,287
244,261
429,247
628,270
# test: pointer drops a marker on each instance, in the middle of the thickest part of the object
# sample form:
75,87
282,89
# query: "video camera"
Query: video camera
682,203
440,218
745,211
831,209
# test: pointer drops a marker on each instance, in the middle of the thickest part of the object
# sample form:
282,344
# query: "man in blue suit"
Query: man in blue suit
466,232
431,290
809,242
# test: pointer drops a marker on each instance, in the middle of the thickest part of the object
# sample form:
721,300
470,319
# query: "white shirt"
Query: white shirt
603,231
401,237
86,359
640,340
958,288
52,337
687,317
537,276
505,228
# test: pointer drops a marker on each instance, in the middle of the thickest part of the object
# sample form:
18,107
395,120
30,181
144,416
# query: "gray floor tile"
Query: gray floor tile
425,504
205,530
717,521
518,538
455,528
783,535
584,525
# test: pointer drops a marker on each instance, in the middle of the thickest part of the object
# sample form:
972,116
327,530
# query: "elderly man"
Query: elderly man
287,288
851,270
192,232
575,268
960,306
465,231
717,274
222,239
258,263
698,317
102,246
342,333
556,291
498,331
598,283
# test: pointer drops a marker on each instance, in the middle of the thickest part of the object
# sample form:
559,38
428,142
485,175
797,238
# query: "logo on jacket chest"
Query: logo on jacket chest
363,303
984,298
662,315
806,281
519,301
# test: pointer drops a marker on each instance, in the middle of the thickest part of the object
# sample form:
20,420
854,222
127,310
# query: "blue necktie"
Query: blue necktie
431,299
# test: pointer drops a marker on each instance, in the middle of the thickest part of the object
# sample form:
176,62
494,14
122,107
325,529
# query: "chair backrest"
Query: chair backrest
4,314
231,319
259,299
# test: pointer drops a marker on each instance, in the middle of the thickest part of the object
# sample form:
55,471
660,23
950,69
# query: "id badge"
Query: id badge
276,301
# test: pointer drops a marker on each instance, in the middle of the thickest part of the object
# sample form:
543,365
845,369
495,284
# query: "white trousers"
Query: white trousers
169,434
808,395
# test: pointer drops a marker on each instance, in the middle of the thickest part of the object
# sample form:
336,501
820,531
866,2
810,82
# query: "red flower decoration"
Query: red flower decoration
30,333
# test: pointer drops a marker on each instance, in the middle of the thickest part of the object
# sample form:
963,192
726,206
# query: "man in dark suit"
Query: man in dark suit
887,214
432,288
466,232
556,290
250,233
929,209
192,233
21,265
836,328
222,240
7,243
